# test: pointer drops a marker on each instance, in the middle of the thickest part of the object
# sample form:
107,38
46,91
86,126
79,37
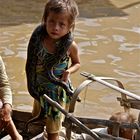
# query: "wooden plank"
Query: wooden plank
38,137
95,123
130,102
20,118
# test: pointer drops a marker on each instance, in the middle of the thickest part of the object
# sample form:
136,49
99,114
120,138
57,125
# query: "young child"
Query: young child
50,48
120,117
6,122
123,117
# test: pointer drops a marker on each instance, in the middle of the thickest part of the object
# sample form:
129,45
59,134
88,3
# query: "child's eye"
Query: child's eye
62,25
51,21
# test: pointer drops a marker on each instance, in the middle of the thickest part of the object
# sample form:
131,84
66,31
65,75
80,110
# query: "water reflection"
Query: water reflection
127,73
118,38
114,58
129,47
109,46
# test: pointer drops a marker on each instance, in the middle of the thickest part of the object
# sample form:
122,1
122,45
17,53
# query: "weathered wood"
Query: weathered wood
132,103
137,135
20,118
124,97
96,123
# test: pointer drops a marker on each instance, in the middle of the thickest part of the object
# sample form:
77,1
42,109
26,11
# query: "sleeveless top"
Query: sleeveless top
38,84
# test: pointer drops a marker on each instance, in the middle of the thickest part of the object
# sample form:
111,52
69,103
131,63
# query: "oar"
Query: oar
78,123
99,79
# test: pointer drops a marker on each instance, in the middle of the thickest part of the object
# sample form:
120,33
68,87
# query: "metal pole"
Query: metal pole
78,123
99,79
130,94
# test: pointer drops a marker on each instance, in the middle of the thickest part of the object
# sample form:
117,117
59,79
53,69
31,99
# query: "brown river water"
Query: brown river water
108,35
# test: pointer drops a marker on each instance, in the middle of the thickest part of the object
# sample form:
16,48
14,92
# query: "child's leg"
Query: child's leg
12,131
52,128
35,111
36,108
53,136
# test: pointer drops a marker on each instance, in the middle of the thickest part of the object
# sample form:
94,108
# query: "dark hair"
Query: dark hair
123,117
59,6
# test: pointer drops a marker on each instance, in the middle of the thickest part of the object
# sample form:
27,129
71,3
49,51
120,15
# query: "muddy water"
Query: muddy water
108,36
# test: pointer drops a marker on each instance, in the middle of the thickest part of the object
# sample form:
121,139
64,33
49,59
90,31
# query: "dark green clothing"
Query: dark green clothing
39,62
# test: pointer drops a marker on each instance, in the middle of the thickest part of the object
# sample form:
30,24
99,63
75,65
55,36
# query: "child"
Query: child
50,47
120,117
6,122
123,117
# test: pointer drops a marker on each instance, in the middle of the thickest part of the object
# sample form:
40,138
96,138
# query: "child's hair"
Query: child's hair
59,6
123,117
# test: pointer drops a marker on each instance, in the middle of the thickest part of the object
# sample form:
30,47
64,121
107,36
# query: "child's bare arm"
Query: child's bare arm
75,62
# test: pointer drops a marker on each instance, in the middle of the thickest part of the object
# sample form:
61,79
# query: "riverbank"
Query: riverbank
14,12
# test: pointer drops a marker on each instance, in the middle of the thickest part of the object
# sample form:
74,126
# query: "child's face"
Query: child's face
57,24
126,133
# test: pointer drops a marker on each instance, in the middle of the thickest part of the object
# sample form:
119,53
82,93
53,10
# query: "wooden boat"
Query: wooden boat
79,124
20,118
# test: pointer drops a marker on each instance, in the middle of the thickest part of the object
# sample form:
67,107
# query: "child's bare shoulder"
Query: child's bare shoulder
73,48
73,45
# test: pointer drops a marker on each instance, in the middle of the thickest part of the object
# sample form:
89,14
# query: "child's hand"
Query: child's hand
65,76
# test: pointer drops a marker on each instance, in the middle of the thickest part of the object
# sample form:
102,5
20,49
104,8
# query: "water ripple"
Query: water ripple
91,22
129,47
8,51
127,73
119,38
99,61
115,58
134,29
